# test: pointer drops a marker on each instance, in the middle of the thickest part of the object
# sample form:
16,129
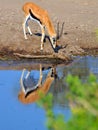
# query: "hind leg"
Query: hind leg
43,36
24,29
21,82
25,24
29,30
28,18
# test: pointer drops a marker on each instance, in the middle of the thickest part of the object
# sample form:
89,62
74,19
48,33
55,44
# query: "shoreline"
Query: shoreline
79,30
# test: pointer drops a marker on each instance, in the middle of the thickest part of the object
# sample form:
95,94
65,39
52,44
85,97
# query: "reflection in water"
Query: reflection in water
35,83
15,115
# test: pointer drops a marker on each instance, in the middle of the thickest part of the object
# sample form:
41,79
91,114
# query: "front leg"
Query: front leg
42,45
40,77
24,30
43,37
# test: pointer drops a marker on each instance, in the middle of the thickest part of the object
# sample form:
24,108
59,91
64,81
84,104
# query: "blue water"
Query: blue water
16,116
13,114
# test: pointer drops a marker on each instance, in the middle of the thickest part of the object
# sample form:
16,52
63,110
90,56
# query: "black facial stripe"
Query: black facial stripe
28,93
34,17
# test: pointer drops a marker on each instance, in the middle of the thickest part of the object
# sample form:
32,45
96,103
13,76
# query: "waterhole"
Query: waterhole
14,114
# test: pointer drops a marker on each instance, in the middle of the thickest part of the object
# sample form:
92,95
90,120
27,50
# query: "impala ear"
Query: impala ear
59,34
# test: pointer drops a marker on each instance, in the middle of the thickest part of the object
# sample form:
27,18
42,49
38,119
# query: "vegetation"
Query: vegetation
83,100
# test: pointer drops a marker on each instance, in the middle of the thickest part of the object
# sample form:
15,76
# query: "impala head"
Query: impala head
57,36
53,41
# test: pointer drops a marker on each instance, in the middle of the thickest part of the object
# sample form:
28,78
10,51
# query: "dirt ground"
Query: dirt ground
81,22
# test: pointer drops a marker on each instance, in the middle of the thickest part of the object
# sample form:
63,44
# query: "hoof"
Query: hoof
31,34
41,50
26,38
42,46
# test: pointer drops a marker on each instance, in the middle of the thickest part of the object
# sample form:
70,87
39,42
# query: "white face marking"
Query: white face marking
53,42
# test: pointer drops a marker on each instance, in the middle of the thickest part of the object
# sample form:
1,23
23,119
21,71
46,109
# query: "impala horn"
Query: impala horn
59,34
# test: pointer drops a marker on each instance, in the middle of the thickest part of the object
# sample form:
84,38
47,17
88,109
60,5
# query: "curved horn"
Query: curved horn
57,30
61,30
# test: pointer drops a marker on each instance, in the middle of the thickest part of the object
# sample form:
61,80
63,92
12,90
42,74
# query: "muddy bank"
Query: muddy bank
79,37
29,64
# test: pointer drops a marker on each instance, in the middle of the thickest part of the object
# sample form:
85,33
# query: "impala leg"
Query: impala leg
27,75
21,81
28,18
43,36
41,76
24,29
25,24
29,30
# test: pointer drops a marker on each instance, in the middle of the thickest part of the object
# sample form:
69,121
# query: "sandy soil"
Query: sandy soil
81,22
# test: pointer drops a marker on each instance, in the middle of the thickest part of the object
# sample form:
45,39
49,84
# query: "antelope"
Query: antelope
29,95
39,15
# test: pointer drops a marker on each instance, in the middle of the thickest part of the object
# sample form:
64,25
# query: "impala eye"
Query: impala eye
54,40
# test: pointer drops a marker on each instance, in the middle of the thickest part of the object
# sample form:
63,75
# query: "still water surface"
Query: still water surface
15,115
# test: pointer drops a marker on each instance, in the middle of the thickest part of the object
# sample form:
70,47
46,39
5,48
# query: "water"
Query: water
14,115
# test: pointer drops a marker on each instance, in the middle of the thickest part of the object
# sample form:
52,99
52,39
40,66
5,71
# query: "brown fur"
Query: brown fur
40,14
35,95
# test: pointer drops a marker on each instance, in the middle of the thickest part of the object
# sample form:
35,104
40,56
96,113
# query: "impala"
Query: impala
39,15
32,94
